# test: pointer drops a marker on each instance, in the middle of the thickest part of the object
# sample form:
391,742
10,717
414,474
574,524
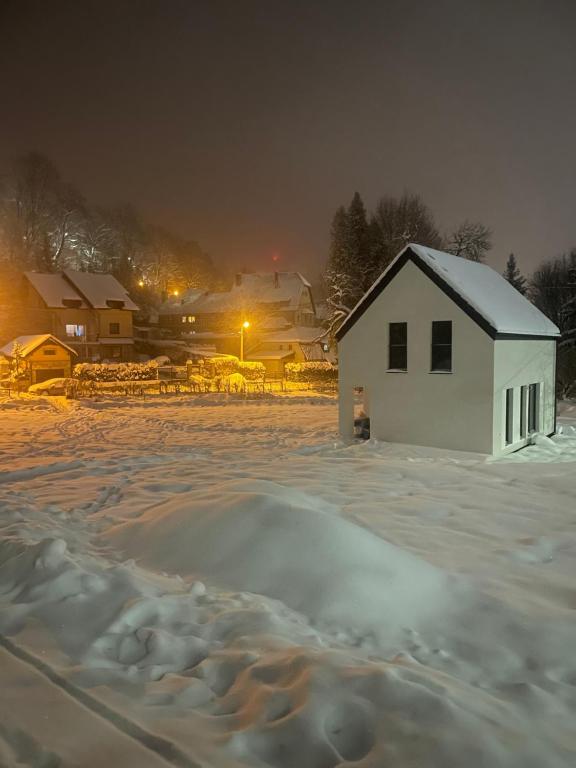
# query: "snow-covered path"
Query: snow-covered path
321,603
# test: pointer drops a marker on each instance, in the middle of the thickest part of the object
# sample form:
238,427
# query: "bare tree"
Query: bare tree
471,240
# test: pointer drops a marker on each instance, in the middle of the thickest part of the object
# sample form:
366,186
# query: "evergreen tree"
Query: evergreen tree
358,246
513,275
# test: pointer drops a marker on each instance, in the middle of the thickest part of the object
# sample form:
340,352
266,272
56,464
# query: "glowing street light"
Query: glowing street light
243,327
141,283
175,292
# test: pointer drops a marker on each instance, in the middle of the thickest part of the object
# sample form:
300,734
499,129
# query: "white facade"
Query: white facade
463,409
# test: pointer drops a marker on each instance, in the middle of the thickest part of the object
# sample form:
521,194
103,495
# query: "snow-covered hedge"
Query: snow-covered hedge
313,372
252,371
116,371
220,367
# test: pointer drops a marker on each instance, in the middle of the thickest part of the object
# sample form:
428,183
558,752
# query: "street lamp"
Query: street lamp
243,327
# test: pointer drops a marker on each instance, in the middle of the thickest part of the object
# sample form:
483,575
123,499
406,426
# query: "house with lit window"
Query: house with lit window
445,352
92,313
267,300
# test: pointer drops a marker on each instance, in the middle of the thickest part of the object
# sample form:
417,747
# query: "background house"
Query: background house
279,306
448,354
91,312
43,356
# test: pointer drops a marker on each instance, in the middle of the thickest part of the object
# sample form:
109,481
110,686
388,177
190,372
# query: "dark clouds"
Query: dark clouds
246,123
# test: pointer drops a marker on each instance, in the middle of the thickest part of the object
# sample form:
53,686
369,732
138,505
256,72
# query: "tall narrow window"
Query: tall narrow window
509,415
533,407
398,347
523,398
442,346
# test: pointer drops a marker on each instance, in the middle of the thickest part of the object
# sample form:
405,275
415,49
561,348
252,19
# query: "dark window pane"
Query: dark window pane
533,408
398,346
442,332
509,415
523,411
442,357
441,345
398,359
398,333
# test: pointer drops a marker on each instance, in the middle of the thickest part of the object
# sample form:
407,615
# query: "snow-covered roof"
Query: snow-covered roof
54,289
99,289
260,288
182,305
477,288
302,334
84,289
30,343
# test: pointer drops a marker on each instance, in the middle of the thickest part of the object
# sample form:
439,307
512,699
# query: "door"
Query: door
43,374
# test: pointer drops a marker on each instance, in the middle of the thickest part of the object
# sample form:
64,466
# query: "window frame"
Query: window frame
509,416
436,346
533,408
395,347
114,332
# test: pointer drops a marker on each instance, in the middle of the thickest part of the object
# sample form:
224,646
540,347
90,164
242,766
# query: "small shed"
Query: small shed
45,357
447,353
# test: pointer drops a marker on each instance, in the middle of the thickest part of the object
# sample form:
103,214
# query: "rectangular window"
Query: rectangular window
442,346
49,351
509,415
523,400
533,407
397,346
114,329
75,331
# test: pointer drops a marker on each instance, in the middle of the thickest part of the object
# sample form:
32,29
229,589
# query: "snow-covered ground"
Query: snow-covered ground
222,583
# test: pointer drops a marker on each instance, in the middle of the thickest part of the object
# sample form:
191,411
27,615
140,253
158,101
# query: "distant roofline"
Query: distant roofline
409,254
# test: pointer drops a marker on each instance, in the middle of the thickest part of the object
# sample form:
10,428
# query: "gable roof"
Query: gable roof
30,343
54,289
280,289
481,292
99,289
86,289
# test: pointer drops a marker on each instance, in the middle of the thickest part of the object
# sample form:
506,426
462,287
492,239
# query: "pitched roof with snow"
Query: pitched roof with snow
55,290
30,343
284,289
101,291
80,289
477,289
299,334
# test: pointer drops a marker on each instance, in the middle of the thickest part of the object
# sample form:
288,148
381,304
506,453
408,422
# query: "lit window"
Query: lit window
442,346
75,331
398,346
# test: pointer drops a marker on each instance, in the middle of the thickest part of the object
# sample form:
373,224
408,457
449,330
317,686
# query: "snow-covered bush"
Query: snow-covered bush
252,371
116,371
221,366
312,372
235,382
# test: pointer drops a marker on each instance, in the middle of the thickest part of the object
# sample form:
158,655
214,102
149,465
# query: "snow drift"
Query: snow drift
262,537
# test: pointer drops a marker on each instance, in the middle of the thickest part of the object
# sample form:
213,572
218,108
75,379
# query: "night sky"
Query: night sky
245,123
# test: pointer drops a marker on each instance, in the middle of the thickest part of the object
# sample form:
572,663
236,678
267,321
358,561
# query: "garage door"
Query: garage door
48,373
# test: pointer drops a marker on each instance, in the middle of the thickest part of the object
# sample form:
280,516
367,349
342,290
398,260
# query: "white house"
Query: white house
448,354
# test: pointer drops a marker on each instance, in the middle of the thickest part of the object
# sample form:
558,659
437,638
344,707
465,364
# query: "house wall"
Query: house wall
48,357
520,363
121,316
447,410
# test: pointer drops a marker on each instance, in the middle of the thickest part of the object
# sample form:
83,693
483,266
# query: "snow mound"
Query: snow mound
261,537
